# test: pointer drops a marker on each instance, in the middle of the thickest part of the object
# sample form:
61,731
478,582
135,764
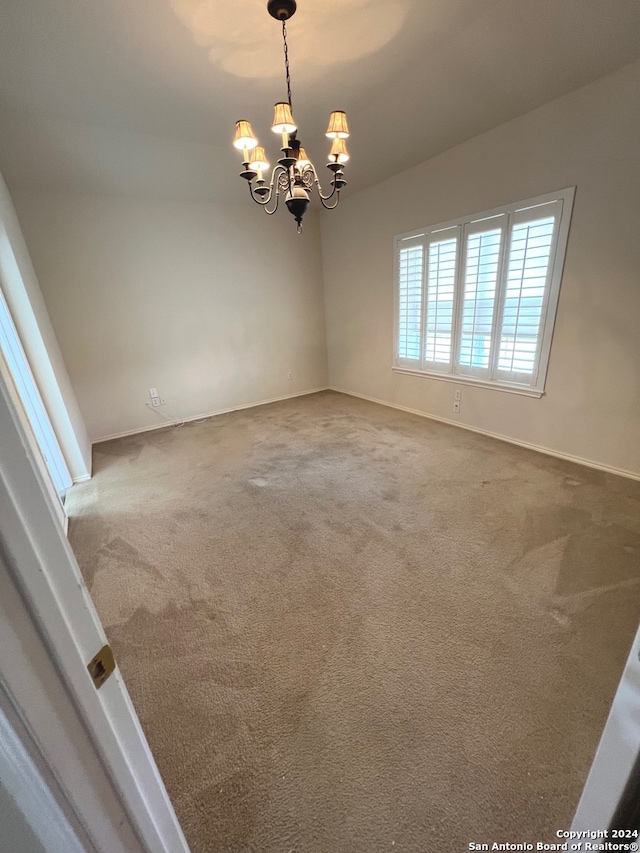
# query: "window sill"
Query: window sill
469,380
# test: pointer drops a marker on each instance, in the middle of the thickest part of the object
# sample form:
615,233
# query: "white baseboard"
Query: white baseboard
621,472
83,479
206,415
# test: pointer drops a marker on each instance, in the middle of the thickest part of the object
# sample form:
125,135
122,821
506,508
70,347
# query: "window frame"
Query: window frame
507,216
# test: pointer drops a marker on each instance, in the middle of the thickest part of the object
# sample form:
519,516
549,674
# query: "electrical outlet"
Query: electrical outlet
458,394
163,401
456,406
289,375
153,392
155,401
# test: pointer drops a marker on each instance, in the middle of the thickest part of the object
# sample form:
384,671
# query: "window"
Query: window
476,298
14,361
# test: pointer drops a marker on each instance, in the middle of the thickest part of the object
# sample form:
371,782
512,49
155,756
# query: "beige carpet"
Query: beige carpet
347,629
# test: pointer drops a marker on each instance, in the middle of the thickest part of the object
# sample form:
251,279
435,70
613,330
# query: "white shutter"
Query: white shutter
409,306
476,297
481,271
527,279
442,259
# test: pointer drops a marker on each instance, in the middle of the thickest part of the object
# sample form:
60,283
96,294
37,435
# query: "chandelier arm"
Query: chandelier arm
259,200
264,202
324,198
271,195
323,202
275,207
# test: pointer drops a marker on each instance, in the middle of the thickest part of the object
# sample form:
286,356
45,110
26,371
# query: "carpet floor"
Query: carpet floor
347,629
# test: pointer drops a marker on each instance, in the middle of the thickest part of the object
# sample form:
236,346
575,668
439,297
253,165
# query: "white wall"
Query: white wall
588,138
212,305
24,298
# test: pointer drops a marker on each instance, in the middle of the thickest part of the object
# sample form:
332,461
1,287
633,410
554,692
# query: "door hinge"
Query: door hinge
101,666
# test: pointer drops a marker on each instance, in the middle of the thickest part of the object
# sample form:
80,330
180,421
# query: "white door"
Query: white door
616,762
91,738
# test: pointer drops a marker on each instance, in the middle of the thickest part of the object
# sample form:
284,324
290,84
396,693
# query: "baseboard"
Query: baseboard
206,415
83,479
621,472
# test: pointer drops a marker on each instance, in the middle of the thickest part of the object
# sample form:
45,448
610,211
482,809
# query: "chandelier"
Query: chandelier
294,176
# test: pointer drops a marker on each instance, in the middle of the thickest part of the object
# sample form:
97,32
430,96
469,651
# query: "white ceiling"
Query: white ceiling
122,97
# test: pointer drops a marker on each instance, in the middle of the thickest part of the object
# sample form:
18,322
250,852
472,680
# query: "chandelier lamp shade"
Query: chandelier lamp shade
294,176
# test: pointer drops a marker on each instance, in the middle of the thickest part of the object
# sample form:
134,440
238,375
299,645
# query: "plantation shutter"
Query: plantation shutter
442,259
476,297
527,282
410,298
481,271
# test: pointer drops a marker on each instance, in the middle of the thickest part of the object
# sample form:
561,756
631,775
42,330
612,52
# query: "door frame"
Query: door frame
46,575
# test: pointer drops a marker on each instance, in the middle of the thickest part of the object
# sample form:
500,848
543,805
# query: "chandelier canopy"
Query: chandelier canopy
294,176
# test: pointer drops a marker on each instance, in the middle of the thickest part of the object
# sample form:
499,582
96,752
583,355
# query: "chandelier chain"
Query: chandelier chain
286,62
